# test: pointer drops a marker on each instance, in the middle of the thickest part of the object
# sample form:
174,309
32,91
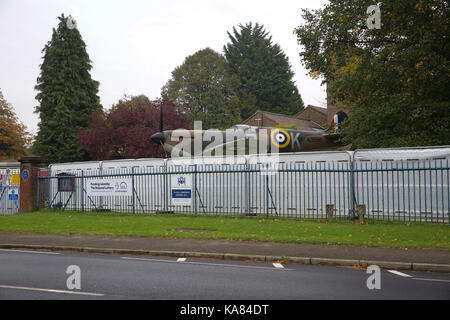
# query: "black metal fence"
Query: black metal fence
410,190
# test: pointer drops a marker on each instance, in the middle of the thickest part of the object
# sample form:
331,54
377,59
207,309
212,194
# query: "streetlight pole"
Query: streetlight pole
161,116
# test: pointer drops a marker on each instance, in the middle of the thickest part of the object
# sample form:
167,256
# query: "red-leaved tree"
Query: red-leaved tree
124,131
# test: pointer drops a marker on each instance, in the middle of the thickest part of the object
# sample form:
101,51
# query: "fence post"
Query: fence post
29,167
361,210
195,189
329,208
38,182
267,189
165,191
132,189
352,187
100,171
82,190
247,190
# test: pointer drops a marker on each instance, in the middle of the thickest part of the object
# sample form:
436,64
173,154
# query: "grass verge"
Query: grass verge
374,234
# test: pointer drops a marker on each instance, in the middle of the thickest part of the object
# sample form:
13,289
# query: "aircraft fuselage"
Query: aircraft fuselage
247,140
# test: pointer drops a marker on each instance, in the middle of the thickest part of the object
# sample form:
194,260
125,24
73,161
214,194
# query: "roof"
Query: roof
323,111
321,114
302,124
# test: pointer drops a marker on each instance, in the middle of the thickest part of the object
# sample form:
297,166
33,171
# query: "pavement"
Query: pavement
433,260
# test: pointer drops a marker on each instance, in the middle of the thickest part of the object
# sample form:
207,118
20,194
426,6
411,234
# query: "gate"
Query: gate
9,188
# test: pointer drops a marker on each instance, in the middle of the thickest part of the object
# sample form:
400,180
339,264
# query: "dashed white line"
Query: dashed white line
53,290
202,263
278,265
400,273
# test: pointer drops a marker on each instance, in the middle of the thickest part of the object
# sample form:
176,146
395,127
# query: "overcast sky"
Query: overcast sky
135,44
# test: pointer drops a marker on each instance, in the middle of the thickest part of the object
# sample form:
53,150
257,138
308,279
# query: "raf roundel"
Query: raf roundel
280,138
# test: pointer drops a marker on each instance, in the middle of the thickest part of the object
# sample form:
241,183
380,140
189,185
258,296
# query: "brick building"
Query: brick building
316,114
310,118
268,119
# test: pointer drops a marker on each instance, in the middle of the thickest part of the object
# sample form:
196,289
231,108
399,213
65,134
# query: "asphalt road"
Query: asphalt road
42,275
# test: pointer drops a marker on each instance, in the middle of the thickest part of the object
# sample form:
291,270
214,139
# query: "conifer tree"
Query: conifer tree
263,70
67,95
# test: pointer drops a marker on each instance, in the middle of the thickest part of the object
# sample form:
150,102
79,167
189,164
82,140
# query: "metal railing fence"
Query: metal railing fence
9,190
401,190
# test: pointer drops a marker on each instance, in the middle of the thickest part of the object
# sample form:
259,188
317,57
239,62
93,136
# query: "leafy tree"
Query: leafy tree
263,70
124,131
14,137
67,95
203,84
393,80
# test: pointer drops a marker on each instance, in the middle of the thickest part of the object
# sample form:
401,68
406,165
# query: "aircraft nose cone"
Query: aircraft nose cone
159,138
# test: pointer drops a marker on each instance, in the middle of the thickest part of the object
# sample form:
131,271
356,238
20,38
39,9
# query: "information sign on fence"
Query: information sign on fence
66,182
13,195
15,178
109,187
181,191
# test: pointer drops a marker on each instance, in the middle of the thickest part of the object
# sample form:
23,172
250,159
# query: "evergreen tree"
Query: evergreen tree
263,70
67,95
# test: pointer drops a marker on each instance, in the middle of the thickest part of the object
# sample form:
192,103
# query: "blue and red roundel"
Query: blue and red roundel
280,138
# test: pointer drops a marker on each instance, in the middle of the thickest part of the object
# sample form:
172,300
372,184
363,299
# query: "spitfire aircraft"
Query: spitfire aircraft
244,139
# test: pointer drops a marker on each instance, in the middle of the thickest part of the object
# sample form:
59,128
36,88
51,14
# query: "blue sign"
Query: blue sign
13,195
25,174
181,193
181,189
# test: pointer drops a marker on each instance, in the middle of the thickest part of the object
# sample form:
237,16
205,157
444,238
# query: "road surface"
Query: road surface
44,275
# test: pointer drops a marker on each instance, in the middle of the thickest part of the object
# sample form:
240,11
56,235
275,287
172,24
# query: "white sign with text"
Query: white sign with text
181,191
109,187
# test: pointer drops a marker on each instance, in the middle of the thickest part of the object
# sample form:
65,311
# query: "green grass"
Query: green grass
374,234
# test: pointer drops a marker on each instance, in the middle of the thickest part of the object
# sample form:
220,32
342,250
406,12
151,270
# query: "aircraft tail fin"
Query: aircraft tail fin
336,121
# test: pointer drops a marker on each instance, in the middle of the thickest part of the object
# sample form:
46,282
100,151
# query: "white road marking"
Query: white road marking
203,263
28,251
278,265
181,259
439,280
53,290
400,273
